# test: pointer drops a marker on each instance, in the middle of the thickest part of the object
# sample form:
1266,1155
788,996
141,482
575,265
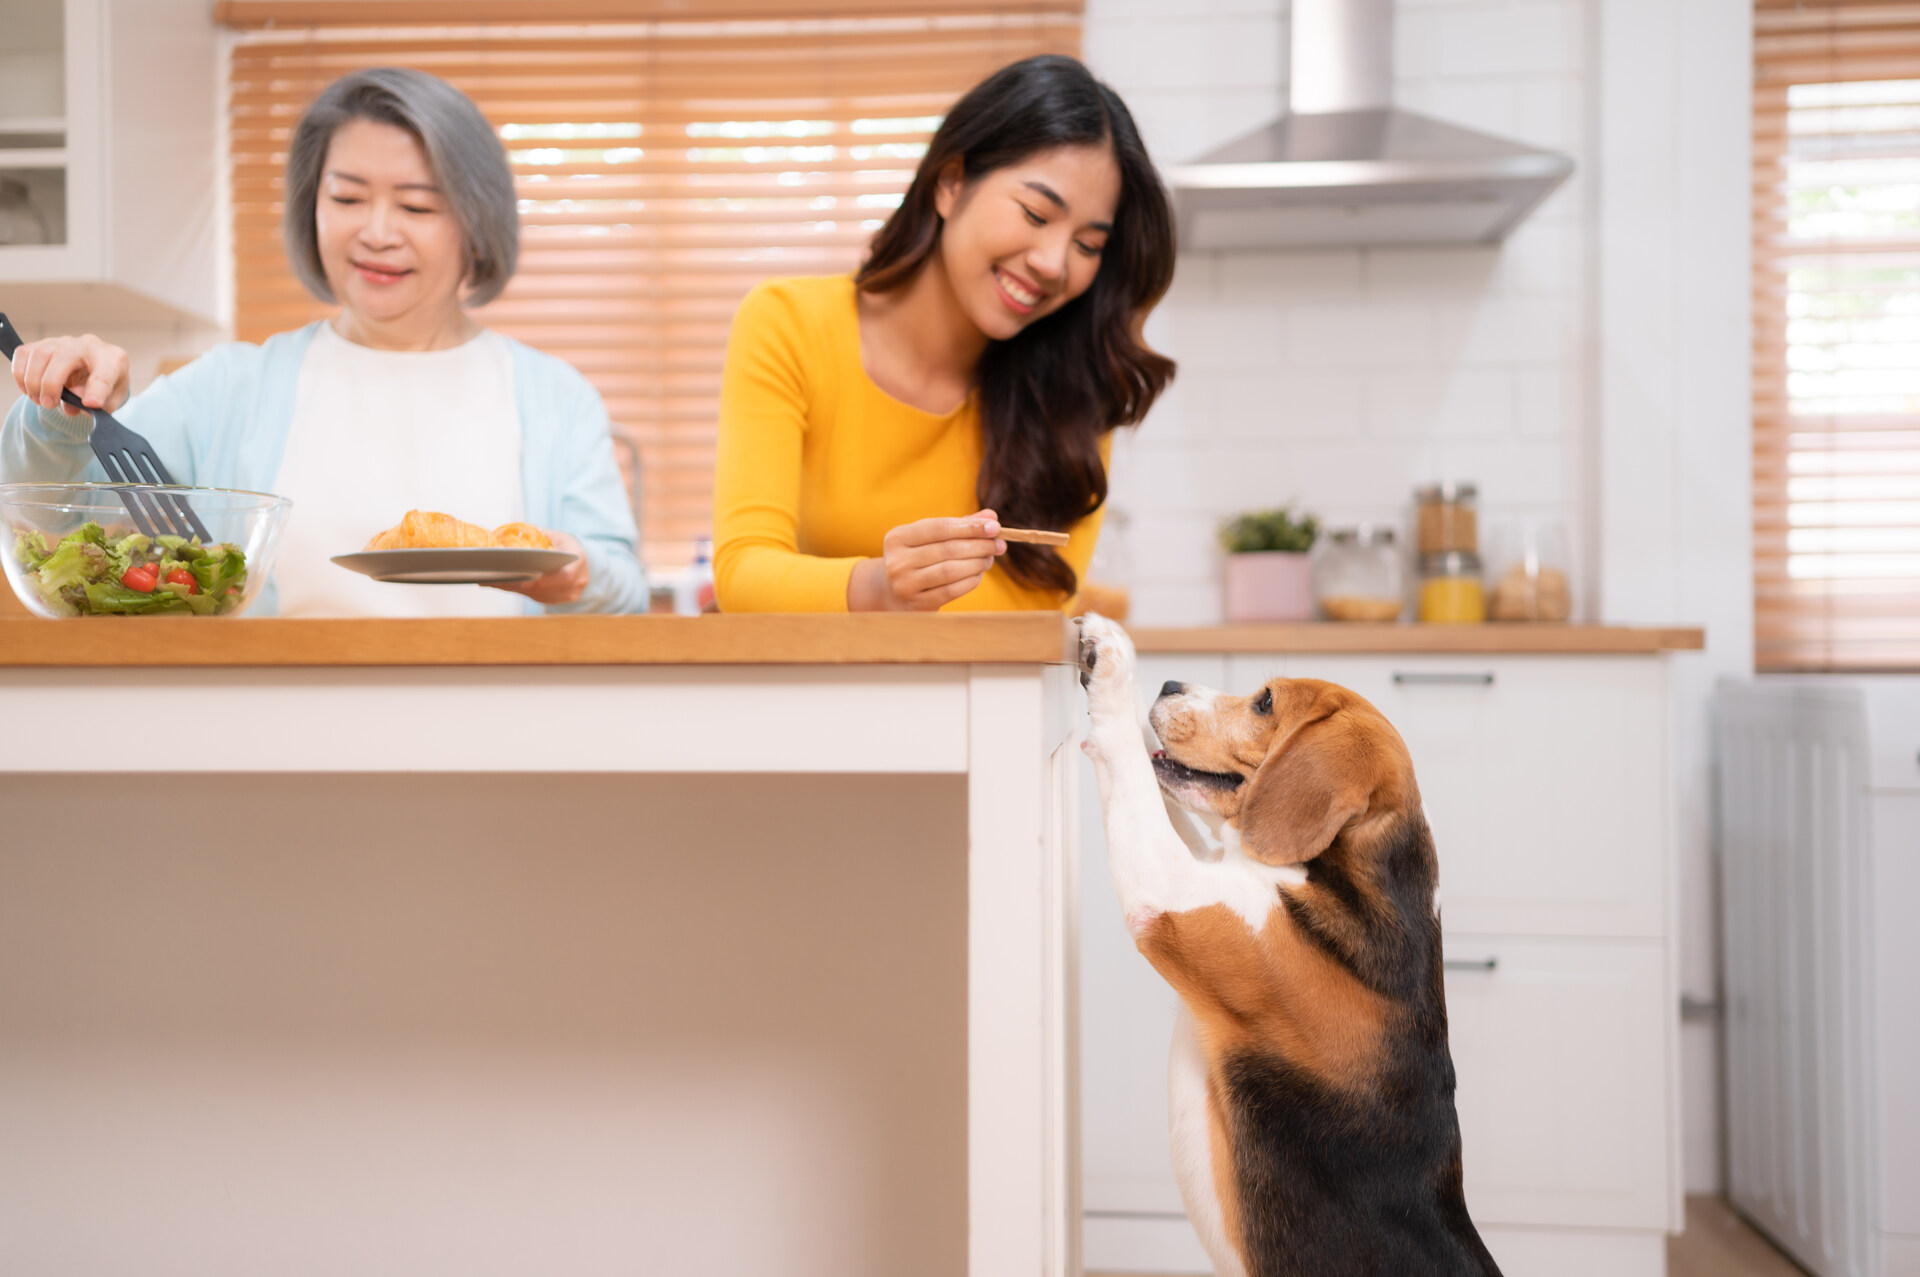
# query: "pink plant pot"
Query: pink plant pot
1271,585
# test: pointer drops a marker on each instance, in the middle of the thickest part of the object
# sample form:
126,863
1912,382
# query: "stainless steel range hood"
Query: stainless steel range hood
1346,168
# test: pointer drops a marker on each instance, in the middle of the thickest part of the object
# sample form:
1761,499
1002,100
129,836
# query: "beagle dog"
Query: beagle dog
1311,1089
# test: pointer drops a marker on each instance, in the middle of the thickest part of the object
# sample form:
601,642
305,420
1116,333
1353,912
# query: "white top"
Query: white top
376,433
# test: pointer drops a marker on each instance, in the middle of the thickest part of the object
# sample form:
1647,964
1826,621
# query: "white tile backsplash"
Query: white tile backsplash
1272,277
1441,401
1266,403
1507,39
1364,334
1340,378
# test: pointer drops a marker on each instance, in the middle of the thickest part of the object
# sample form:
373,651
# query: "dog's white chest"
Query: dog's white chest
1190,1133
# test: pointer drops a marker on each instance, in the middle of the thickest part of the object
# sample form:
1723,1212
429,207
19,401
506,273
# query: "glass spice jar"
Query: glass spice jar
1450,589
1528,580
1357,577
1448,519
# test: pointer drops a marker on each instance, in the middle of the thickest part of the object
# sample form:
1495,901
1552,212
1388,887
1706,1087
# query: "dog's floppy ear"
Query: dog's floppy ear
1306,791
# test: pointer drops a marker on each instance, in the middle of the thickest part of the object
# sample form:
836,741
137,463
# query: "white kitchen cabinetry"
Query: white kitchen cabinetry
108,119
1545,779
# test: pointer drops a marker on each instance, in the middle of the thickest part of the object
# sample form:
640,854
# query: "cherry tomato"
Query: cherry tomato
142,578
180,576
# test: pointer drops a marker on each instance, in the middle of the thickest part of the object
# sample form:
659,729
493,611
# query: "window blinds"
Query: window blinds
1836,426
663,168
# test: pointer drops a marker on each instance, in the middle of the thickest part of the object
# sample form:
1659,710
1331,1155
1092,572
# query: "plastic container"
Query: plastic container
1447,518
1357,577
1451,592
693,589
1529,580
38,516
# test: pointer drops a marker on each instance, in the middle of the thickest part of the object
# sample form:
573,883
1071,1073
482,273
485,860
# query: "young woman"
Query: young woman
877,430
400,207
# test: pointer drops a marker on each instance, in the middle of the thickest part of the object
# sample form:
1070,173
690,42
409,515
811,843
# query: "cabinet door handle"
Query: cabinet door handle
1470,964
1444,679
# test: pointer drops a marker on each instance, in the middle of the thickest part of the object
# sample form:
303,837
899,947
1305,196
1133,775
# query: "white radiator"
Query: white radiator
1796,877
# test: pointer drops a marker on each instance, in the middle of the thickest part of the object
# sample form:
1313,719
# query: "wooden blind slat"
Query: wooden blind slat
637,243
1836,392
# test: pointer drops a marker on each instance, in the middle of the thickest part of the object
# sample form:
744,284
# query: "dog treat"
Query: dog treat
1034,535
1359,607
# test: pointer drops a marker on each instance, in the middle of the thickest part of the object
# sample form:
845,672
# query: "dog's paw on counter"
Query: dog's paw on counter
1106,653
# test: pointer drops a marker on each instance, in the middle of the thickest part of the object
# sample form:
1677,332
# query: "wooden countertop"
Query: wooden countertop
1360,638
828,639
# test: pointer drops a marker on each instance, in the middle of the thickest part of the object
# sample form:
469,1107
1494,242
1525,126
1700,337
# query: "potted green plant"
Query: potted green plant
1269,577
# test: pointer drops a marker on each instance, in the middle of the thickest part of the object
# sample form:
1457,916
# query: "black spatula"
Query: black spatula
128,458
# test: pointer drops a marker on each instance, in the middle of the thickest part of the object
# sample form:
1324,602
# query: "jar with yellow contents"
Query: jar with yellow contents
1451,592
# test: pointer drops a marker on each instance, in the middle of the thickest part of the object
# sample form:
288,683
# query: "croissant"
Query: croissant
430,530
521,536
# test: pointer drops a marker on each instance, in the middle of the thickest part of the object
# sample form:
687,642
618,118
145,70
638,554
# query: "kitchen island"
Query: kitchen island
720,944
573,944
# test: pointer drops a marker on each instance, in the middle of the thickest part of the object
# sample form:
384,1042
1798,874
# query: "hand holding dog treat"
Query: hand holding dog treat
926,563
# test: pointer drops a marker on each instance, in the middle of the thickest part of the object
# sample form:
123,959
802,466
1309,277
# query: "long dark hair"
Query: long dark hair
1049,394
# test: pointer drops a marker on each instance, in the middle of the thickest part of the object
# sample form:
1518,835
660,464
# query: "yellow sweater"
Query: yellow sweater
816,463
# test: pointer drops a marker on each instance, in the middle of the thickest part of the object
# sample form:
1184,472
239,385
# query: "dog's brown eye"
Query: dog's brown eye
1265,704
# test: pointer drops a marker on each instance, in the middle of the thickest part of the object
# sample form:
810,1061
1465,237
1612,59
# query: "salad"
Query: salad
92,574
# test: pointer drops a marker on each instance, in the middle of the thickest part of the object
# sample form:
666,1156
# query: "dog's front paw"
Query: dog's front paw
1106,664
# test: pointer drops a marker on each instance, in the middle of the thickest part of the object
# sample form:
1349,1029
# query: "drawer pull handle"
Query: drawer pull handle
1482,679
1470,964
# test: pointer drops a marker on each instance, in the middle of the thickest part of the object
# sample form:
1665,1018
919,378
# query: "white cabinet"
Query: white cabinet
1545,779
108,125
1560,1050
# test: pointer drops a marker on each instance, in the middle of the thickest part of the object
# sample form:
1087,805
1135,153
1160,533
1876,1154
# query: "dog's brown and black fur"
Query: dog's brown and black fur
1335,1149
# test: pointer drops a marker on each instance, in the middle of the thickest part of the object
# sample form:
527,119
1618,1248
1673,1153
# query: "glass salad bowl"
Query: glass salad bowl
71,549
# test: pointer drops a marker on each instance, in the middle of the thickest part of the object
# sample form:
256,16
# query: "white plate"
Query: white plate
473,565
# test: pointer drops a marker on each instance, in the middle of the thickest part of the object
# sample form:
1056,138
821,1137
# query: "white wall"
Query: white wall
1593,368
1340,378
1674,462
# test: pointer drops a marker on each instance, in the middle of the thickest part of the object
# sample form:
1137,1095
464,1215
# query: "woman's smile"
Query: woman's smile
1020,296
1020,242
375,274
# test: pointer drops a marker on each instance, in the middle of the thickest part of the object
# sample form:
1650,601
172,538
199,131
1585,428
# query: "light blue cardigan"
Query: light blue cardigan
222,422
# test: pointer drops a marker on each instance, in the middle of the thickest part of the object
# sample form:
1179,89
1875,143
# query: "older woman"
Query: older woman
400,207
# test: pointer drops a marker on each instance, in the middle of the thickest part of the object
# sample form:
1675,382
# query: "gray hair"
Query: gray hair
468,162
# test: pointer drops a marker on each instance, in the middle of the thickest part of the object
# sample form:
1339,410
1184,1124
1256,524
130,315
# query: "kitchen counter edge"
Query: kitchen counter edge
766,639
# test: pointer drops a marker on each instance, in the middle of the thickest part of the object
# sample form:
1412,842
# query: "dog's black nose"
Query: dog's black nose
1171,688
